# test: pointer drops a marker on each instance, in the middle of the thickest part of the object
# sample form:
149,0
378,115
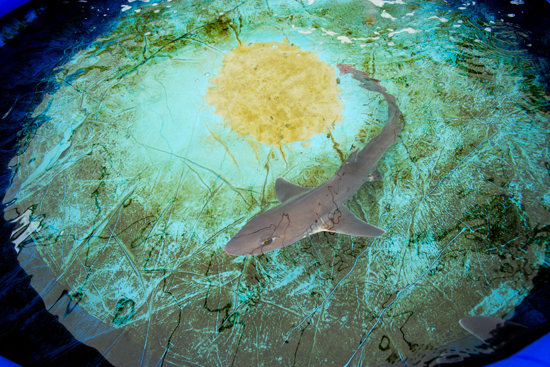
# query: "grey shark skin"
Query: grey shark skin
304,211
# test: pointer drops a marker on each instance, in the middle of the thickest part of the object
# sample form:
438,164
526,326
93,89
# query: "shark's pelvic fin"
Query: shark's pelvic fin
285,190
352,157
347,223
375,176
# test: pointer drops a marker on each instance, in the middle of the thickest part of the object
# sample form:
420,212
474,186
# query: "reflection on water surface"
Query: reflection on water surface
161,141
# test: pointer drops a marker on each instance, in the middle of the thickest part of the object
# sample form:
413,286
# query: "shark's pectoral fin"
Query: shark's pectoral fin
285,190
374,176
490,330
345,222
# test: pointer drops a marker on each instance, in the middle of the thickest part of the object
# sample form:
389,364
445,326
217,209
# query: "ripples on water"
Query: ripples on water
124,184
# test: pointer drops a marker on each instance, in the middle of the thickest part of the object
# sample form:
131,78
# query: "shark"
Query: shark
304,211
489,340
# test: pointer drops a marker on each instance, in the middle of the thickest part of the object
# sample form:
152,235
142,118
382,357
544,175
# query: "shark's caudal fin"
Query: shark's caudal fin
345,222
285,190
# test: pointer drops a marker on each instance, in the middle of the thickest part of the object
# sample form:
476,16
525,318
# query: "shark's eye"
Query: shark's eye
268,241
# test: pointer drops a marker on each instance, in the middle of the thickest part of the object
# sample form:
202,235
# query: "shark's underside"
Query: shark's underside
305,210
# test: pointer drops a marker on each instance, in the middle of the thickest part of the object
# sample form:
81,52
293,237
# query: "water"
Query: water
162,129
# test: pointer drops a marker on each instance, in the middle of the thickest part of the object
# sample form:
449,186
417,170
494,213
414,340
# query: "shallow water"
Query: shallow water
166,132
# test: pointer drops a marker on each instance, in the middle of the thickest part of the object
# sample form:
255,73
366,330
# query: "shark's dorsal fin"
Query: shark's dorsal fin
285,190
345,222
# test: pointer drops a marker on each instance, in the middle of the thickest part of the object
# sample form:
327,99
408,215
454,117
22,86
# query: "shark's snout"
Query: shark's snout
234,248
229,252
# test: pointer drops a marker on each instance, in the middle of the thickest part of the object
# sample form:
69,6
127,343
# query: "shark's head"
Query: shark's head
266,232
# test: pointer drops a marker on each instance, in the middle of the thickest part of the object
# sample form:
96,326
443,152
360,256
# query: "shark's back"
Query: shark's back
361,165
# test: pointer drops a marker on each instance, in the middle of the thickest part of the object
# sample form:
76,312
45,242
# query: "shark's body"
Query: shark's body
304,211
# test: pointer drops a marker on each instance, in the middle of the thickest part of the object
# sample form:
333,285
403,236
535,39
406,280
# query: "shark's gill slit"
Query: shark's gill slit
322,208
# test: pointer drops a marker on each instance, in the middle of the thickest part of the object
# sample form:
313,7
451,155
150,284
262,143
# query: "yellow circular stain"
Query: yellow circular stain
276,92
